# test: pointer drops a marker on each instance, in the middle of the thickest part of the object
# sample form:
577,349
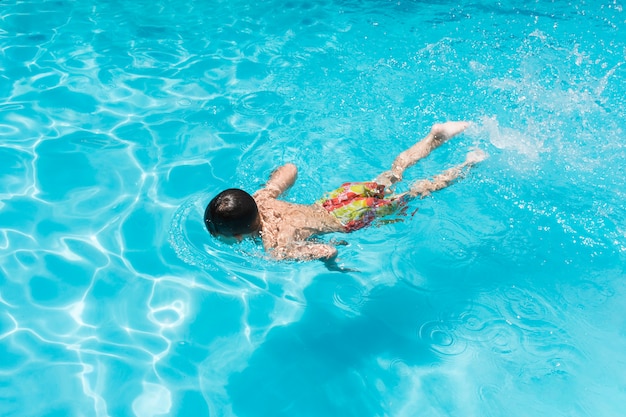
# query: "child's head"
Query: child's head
232,213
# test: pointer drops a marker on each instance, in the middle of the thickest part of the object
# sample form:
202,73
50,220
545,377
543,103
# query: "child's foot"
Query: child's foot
475,157
444,131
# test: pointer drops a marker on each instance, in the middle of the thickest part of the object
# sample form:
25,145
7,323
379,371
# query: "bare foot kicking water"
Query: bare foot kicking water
438,134
444,131
475,156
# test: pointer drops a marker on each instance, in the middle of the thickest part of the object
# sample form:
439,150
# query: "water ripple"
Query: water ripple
349,298
522,325
442,337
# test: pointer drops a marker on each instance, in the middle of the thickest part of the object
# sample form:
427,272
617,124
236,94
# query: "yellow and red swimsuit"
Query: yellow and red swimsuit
358,204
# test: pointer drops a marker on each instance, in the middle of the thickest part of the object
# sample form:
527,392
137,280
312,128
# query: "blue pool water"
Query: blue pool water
503,295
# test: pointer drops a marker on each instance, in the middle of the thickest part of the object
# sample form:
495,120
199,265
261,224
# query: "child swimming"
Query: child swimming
286,228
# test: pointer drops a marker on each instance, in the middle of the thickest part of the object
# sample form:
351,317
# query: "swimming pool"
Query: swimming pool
503,295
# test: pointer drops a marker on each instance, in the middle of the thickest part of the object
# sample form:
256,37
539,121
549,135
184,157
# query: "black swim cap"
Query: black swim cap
232,212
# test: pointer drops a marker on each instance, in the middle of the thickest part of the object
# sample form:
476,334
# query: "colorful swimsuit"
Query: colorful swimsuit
357,204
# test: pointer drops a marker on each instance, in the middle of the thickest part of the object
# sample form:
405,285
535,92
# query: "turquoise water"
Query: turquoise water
501,296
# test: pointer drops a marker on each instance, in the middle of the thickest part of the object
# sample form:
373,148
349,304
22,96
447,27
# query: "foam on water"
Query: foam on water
501,295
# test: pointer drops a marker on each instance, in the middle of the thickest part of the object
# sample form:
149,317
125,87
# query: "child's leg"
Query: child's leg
424,187
438,134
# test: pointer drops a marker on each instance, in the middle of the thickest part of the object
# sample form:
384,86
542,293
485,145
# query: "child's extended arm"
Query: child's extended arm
281,179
